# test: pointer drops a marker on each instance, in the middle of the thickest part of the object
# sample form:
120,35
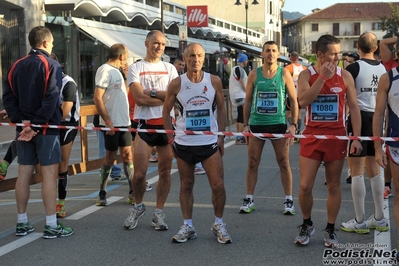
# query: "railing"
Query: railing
86,164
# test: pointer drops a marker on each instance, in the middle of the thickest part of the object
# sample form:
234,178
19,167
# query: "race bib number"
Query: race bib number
325,108
198,120
267,103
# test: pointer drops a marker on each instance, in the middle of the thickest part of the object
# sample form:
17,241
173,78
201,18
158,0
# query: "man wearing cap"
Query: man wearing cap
237,83
294,68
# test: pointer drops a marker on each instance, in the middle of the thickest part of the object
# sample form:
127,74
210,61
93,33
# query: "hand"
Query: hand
246,130
356,148
27,134
328,69
291,130
3,114
110,126
381,157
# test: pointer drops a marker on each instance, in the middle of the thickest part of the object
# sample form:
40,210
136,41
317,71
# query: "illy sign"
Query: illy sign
197,16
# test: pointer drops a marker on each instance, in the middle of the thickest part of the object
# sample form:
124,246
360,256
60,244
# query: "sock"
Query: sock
22,218
188,222
63,179
128,168
105,172
61,201
159,210
138,206
308,221
388,184
358,196
330,227
51,220
251,197
288,197
218,220
377,188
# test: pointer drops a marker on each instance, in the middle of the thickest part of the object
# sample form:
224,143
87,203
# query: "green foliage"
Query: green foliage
312,58
390,23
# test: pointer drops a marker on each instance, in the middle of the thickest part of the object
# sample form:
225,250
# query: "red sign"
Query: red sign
197,16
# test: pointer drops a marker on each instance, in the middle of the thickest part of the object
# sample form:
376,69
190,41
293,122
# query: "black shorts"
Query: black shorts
366,131
194,154
67,136
133,125
152,139
273,129
119,139
240,114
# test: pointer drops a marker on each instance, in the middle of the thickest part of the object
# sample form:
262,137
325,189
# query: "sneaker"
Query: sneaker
23,229
387,192
185,233
118,178
381,225
3,170
305,232
153,158
59,231
60,210
289,207
220,231
241,141
247,206
130,199
158,221
330,238
148,187
354,226
102,198
199,171
135,214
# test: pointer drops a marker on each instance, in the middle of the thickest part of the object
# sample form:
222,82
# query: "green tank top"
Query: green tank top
268,99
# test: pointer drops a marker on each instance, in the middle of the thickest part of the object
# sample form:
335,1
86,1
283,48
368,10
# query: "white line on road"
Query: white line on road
19,243
91,209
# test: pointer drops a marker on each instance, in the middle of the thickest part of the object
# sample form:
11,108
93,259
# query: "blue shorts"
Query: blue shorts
43,149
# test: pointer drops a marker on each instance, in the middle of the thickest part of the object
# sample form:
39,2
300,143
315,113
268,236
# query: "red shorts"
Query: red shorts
324,149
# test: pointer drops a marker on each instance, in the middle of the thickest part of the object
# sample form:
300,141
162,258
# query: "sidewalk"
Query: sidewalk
7,134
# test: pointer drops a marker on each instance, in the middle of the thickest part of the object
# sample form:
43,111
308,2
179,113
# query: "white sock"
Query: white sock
377,188
51,220
251,197
358,195
189,222
288,197
218,220
22,218
159,210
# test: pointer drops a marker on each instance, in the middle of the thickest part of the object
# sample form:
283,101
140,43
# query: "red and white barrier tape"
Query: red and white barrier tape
225,133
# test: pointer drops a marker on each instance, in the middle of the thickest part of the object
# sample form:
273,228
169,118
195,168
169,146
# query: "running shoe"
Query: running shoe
185,233
23,229
241,141
354,226
60,210
3,170
247,206
158,221
330,238
305,232
102,198
59,231
153,158
130,199
199,171
132,220
381,225
148,187
118,178
289,207
220,231
387,192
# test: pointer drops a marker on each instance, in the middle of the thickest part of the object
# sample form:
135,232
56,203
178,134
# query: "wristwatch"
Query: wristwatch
153,93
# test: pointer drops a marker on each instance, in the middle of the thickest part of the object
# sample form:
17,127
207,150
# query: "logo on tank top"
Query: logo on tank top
336,89
204,90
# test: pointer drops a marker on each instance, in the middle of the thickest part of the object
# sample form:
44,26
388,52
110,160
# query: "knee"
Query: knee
284,164
306,189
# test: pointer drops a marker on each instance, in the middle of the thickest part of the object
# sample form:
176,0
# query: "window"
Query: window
354,44
167,7
154,3
376,26
356,28
211,21
220,24
336,29
234,28
180,11
315,27
227,26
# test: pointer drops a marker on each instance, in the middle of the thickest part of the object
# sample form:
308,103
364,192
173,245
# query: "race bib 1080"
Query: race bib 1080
325,108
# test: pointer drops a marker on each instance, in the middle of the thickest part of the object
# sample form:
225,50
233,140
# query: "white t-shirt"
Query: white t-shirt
151,76
237,94
115,100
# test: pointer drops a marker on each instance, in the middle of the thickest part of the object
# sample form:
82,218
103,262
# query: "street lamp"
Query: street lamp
238,3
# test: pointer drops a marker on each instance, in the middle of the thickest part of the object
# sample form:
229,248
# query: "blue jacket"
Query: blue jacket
32,91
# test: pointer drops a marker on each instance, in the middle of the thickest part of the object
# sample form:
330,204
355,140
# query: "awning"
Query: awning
109,34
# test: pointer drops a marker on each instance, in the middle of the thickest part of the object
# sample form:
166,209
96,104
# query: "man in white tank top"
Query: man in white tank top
199,98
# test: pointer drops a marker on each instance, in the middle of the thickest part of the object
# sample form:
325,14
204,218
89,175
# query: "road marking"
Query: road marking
19,243
91,209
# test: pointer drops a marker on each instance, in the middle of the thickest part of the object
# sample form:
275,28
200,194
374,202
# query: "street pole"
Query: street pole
246,21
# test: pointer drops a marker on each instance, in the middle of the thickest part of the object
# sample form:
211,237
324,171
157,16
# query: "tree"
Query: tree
391,23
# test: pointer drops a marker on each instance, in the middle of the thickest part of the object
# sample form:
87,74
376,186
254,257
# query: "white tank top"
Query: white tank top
197,107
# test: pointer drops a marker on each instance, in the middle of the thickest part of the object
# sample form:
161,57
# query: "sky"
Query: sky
305,6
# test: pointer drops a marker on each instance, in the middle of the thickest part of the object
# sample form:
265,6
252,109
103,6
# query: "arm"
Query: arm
68,99
356,146
249,89
173,90
378,118
98,101
221,111
385,52
143,98
291,92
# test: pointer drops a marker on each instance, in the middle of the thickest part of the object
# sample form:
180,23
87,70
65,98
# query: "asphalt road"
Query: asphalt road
264,237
